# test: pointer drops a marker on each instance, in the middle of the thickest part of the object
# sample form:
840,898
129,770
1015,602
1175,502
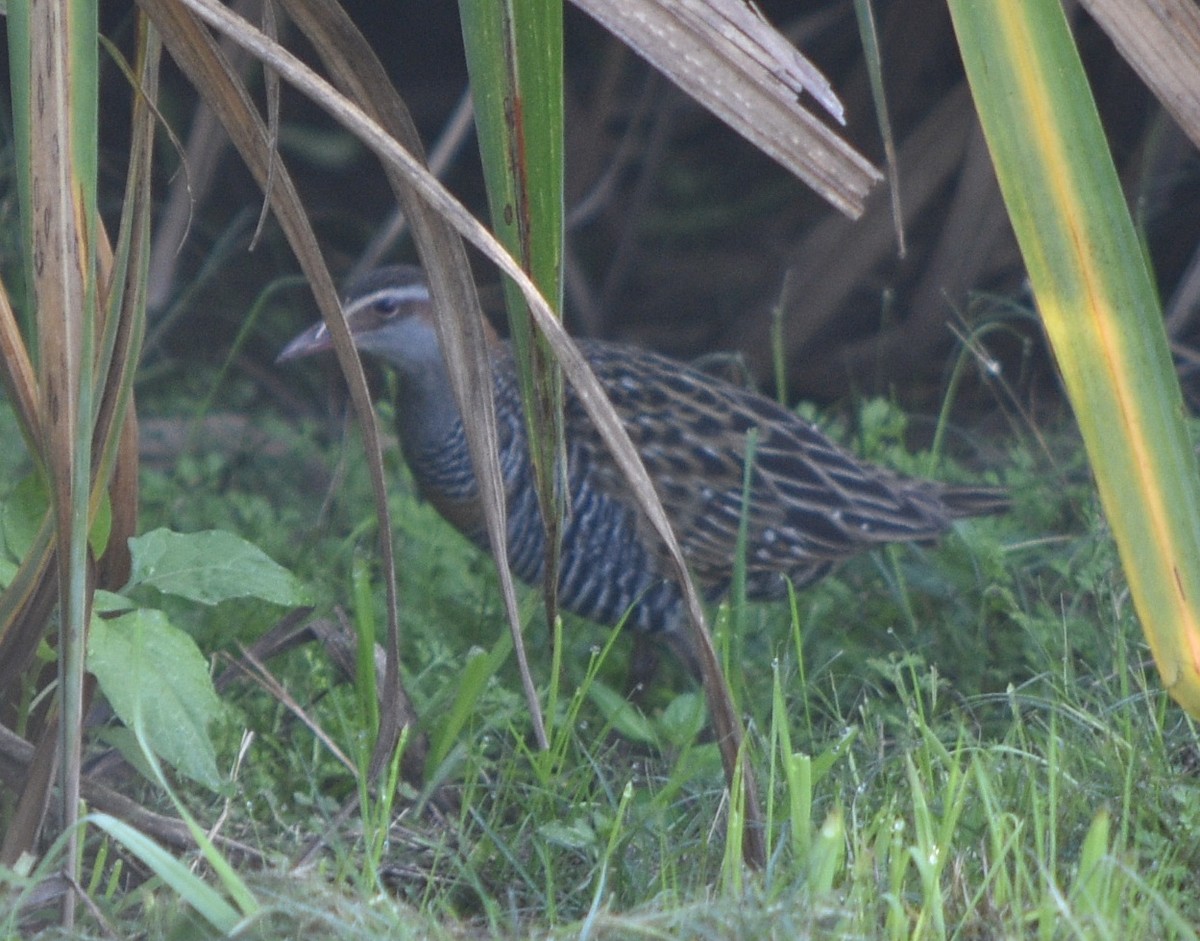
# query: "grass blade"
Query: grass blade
207,902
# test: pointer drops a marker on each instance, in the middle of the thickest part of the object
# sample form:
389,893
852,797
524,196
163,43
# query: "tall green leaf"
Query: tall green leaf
1099,307
515,59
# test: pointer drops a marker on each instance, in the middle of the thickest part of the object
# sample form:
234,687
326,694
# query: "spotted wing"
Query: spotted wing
810,502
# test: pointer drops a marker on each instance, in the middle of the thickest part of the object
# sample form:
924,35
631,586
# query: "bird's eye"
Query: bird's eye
387,306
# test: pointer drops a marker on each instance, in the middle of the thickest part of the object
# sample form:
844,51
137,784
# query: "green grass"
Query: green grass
961,741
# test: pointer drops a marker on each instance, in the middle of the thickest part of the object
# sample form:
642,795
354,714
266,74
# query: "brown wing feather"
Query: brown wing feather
811,502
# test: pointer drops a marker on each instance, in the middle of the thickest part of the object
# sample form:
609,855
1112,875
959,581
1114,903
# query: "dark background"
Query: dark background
692,231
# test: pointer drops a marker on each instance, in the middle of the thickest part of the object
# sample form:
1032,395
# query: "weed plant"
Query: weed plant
962,741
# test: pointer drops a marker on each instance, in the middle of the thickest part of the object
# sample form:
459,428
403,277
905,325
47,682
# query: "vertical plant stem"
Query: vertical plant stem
53,48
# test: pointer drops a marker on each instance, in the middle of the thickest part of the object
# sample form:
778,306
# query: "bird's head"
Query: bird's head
389,314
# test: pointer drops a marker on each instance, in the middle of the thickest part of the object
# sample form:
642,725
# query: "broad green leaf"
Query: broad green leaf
8,570
23,513
576,835
101,527
210,567
151,671
621,714
26,508
683,719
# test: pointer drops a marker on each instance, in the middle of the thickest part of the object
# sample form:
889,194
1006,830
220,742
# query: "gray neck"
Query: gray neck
427,416
426,412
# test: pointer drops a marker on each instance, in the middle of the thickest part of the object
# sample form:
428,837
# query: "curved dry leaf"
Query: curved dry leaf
19,378
459,318
1161,41
727,724
726,56
194,49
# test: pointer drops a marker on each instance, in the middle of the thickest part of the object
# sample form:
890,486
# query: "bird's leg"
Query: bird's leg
646,658
643,665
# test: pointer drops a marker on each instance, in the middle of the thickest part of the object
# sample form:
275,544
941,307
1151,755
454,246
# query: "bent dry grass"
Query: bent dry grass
962,741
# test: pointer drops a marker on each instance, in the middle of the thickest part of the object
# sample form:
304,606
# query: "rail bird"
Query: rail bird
810,502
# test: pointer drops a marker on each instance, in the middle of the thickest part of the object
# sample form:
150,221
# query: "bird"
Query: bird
809,504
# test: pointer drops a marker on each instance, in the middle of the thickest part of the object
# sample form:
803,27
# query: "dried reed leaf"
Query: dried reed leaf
194,49
727,724
25,608
459,320
17,370
1161,41
36,786
115,443
726,56
59,64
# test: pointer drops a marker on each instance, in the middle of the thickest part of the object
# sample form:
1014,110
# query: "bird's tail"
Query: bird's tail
961,502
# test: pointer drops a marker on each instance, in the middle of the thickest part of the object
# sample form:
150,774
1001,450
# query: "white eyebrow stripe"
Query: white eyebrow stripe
409,292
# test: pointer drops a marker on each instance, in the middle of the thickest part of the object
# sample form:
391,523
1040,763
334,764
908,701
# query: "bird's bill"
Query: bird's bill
315,339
